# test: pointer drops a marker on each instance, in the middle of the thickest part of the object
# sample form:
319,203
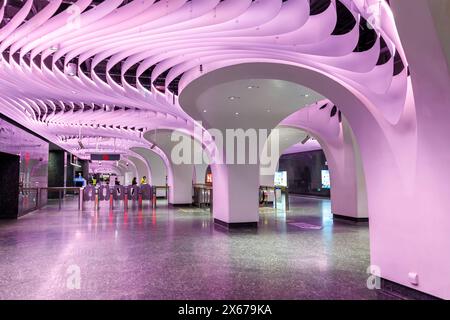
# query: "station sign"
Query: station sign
105,156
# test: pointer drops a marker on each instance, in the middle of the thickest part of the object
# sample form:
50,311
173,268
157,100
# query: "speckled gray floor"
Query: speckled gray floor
178,253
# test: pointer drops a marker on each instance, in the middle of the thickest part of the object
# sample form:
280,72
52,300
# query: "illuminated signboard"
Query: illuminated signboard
105,156
326,179
280,179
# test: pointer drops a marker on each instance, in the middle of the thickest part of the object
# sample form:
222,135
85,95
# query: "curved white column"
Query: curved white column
180,178
141,168
200,173
158,170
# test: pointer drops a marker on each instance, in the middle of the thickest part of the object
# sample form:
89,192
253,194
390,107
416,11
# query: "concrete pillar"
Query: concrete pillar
180,192
236,196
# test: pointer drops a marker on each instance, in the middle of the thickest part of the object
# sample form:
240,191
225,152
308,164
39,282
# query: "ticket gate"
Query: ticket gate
146,192
133,192
104,193
118,192
89,193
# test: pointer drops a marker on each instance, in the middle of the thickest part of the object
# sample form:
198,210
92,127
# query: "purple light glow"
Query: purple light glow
136,65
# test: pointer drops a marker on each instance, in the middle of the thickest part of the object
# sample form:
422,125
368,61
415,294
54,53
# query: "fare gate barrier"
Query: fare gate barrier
263,195
146,191
133,192
36,201
119,193
104,193
89,193
203,196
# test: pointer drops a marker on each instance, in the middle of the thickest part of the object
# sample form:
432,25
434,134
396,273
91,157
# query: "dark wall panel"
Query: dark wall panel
55,171
32,152
304,172
9,185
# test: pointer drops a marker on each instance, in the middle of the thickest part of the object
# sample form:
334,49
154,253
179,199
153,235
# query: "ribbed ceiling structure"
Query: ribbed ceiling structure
109,71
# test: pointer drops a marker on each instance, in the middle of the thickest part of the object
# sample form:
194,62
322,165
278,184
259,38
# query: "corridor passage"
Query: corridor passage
178,253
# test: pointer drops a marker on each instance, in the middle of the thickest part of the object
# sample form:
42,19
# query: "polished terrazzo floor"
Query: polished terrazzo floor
178,253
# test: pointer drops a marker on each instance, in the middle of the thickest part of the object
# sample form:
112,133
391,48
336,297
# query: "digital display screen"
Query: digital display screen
280,179
105,157
326,179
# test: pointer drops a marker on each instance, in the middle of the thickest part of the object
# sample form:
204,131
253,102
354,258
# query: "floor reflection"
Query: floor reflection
177,253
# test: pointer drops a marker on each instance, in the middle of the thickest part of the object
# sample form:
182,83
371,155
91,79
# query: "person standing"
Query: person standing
80,181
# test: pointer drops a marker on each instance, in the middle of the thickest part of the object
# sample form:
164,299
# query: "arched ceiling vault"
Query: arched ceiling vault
115,69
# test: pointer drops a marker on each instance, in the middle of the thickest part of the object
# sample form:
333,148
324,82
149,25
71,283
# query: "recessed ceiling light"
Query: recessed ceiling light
237,113
233,98
204,110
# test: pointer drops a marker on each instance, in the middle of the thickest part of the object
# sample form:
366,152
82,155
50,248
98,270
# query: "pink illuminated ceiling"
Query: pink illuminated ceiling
106,72
310,145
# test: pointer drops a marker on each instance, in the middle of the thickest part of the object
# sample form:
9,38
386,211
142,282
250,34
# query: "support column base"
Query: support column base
350,219
236,225
402,292
180,204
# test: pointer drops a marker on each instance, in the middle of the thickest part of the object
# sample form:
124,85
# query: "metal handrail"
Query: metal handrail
60,188
203,186
203,195
28,188
165,187
285,190
22,189
60,192
26,192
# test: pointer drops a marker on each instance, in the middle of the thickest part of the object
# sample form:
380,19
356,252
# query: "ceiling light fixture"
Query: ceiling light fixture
306,139
233,98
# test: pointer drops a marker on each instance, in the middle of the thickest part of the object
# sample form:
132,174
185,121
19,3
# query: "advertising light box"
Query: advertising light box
105,157
280,179
326,179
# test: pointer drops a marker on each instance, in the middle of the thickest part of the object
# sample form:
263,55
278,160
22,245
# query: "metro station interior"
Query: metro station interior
225,149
